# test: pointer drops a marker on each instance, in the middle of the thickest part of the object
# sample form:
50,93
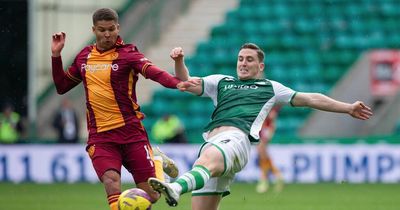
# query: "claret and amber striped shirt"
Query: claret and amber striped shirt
109,79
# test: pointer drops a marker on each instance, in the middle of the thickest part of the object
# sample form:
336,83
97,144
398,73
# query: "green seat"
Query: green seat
344,41
204,47
195,136
331,74
278,73
195,121
311,73
288,126
245,13
148,123
159,107
200,106
147,109
305,25
221,30
227,70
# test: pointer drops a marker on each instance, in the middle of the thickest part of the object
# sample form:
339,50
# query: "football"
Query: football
134,199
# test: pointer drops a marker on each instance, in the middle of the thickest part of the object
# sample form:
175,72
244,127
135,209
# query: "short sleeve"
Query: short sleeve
283,94
210,85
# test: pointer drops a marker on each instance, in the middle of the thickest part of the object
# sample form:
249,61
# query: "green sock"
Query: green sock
193,179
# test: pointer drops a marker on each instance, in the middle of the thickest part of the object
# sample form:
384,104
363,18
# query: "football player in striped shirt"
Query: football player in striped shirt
109,70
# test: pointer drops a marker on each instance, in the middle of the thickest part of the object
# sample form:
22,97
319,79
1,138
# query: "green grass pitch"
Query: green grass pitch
86,196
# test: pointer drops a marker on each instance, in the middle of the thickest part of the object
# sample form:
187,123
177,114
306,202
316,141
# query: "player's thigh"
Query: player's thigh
206,202
137,160
234,147
212,158
105,157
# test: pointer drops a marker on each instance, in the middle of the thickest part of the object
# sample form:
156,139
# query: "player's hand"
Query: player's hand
177,53
192,82
57,44
360,111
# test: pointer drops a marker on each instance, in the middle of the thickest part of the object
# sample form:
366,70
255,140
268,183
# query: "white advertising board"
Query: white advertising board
302,163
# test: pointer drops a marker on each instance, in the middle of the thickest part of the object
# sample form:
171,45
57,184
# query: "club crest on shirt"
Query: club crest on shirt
114,55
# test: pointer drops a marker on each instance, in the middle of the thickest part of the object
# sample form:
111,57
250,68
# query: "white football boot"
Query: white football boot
171,196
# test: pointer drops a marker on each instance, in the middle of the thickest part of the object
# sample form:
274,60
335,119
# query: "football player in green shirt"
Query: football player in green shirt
241,106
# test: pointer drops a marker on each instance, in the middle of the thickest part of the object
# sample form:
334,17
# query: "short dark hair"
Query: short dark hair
105,14
260,52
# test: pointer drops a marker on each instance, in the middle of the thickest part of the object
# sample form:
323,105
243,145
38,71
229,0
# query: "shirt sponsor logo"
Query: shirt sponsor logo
240,87
99,67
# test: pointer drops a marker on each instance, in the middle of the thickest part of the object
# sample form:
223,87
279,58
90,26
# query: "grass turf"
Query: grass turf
86,196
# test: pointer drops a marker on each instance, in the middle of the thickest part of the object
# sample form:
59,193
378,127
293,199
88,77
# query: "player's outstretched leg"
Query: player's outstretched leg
171,196
169,166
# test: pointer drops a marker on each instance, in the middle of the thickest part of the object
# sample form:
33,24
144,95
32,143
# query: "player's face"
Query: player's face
248,65
106,32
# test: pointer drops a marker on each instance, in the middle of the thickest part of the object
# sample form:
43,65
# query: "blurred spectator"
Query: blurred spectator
265,163
66,123
169,129
10,125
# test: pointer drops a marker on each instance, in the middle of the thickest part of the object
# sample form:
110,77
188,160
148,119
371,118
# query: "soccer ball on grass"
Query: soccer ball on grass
134,199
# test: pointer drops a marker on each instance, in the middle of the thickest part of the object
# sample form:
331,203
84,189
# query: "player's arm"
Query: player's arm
181,71
63,81
322,102
167,80
196,89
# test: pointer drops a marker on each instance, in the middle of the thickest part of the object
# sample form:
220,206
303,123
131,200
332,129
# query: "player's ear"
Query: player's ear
261,66
93,28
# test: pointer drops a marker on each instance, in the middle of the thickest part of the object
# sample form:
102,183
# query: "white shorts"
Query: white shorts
235,147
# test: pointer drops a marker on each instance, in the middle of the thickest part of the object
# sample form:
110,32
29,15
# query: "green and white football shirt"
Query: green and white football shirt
243,104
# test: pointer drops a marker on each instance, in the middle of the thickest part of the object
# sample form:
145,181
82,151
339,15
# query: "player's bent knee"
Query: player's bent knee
110,176
213,160
111,181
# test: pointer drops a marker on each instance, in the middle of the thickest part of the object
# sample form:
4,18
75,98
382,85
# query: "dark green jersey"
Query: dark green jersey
243,104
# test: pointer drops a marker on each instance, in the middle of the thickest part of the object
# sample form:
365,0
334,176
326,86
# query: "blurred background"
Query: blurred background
347,49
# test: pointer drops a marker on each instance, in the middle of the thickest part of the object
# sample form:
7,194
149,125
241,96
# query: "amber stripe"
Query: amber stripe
77,80
113,198
144,68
